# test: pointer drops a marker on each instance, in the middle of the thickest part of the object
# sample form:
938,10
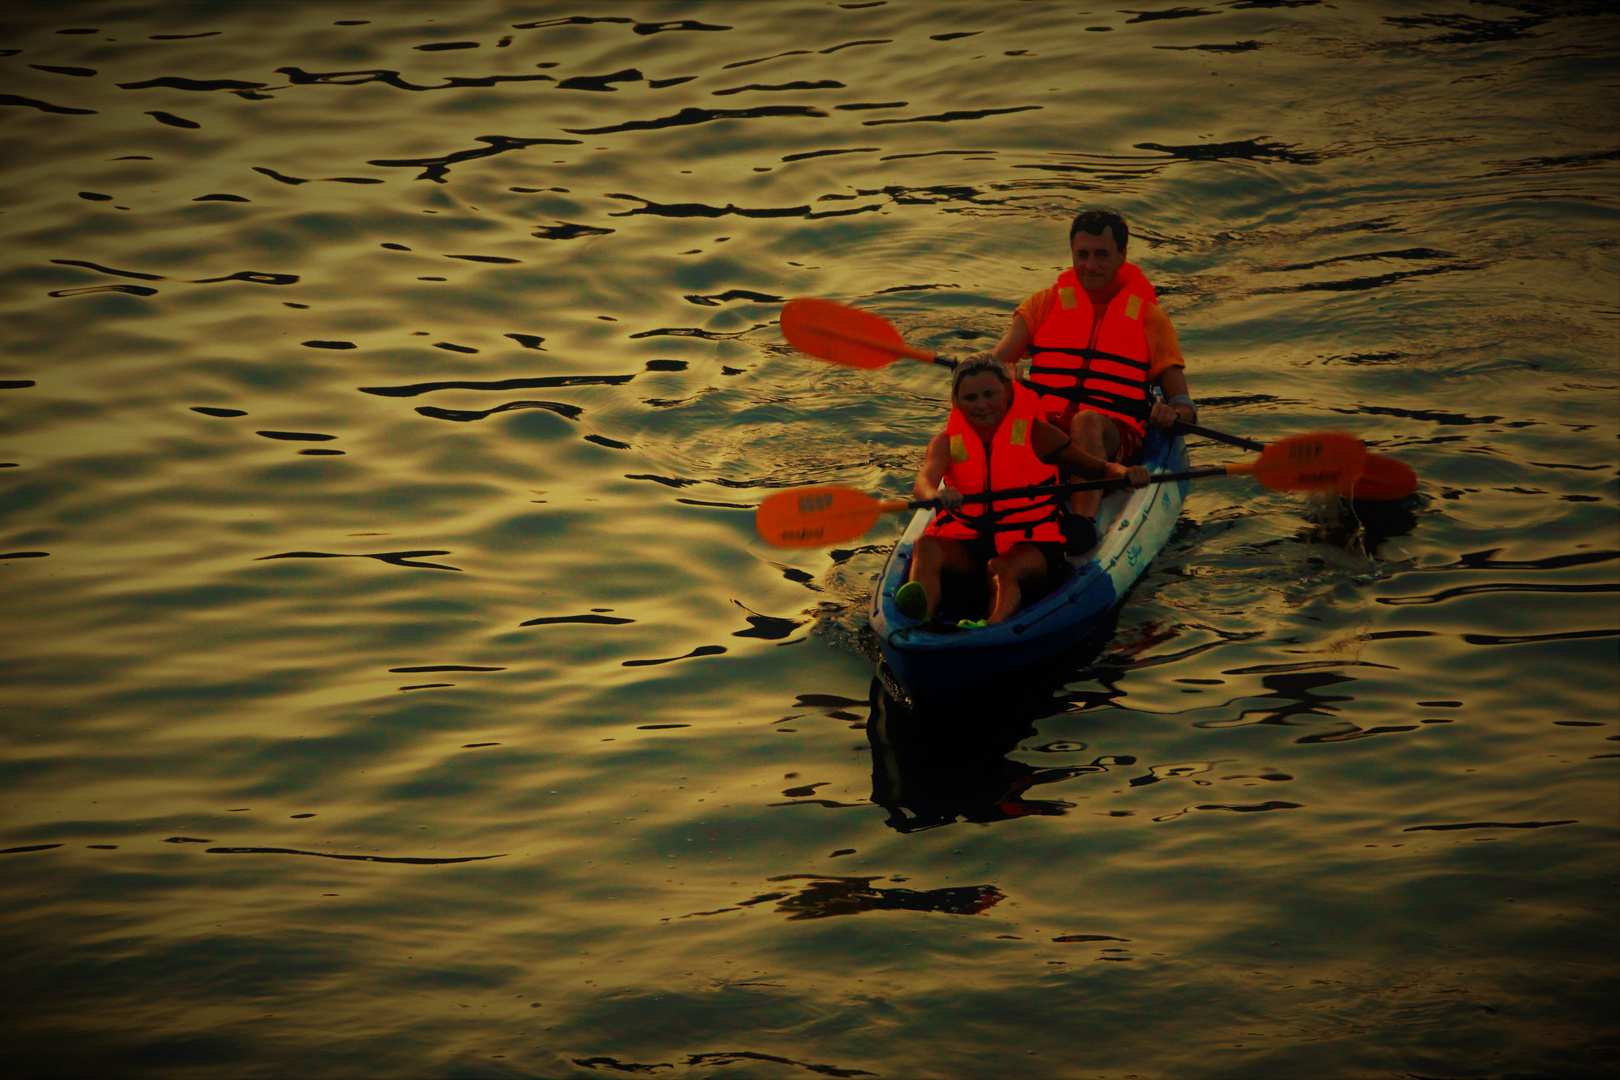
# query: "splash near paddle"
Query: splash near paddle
1385,479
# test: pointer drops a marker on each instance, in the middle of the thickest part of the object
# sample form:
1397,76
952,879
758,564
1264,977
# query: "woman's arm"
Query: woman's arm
1055,448
936,459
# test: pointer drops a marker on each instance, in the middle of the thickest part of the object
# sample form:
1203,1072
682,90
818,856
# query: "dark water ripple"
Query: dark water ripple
570,412
716,1058
43,106
540,382
350,858
690,116
438,168
588,619
394,558
724,845
1501,586
296,436
1489,825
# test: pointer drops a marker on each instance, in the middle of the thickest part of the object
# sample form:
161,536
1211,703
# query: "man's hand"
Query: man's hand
1163,415
949,498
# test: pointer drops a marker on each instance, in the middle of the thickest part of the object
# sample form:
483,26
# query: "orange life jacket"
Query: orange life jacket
1010,463
1099,364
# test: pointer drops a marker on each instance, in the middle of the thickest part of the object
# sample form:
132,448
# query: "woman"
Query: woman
994,440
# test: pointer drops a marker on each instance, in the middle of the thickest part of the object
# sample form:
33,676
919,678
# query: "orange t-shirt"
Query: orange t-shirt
1163,349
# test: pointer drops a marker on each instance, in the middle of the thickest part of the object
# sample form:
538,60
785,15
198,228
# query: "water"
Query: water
396,685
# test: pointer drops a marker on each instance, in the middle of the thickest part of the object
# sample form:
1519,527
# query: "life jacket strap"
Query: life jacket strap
1086,354
994,521
1135,408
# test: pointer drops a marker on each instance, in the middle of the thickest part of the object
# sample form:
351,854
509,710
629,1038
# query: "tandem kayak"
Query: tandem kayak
934,665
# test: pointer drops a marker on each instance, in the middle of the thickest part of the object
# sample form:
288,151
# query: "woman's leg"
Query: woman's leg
1008,574
931,556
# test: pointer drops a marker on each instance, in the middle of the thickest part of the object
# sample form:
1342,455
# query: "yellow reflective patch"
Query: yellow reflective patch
1020,431
959,451
1133,307
1066,297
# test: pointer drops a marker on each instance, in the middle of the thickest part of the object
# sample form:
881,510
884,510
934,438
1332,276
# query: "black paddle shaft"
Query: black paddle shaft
1183,428
1064,489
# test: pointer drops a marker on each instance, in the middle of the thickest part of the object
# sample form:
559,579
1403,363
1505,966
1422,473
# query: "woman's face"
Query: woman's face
983,399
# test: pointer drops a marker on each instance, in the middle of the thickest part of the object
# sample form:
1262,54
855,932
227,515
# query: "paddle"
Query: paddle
848,336
1382,479
814,516
1181,427
861,339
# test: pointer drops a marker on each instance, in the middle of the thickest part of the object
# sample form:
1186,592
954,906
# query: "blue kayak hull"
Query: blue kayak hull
930,666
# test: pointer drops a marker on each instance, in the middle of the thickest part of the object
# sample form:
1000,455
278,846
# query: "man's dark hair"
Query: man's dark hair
1093,222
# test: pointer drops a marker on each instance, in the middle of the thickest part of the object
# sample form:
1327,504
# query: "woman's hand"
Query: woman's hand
1136,475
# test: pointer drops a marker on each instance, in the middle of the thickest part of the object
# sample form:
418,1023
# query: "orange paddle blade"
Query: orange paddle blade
844,335
1385,478
813,516
1324,461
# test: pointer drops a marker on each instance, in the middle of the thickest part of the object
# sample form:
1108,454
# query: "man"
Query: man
1098,343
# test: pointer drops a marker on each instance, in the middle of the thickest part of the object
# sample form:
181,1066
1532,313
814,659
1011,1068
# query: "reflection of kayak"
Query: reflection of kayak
931,665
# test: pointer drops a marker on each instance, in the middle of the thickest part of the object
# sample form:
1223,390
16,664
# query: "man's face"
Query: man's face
1096,259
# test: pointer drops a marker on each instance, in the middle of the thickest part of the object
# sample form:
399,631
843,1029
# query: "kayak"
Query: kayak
932,665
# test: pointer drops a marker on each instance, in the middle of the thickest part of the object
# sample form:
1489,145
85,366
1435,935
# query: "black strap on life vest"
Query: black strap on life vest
1087,389
1092,354
993,521
1135,408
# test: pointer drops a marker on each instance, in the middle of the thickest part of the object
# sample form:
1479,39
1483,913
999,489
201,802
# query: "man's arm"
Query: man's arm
1014,344
1169,371
1020,335
1173,381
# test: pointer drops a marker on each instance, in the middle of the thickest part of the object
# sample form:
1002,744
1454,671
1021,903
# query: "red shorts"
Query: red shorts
1130,440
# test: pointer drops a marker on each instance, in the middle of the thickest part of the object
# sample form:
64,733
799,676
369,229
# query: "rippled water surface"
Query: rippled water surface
396,685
